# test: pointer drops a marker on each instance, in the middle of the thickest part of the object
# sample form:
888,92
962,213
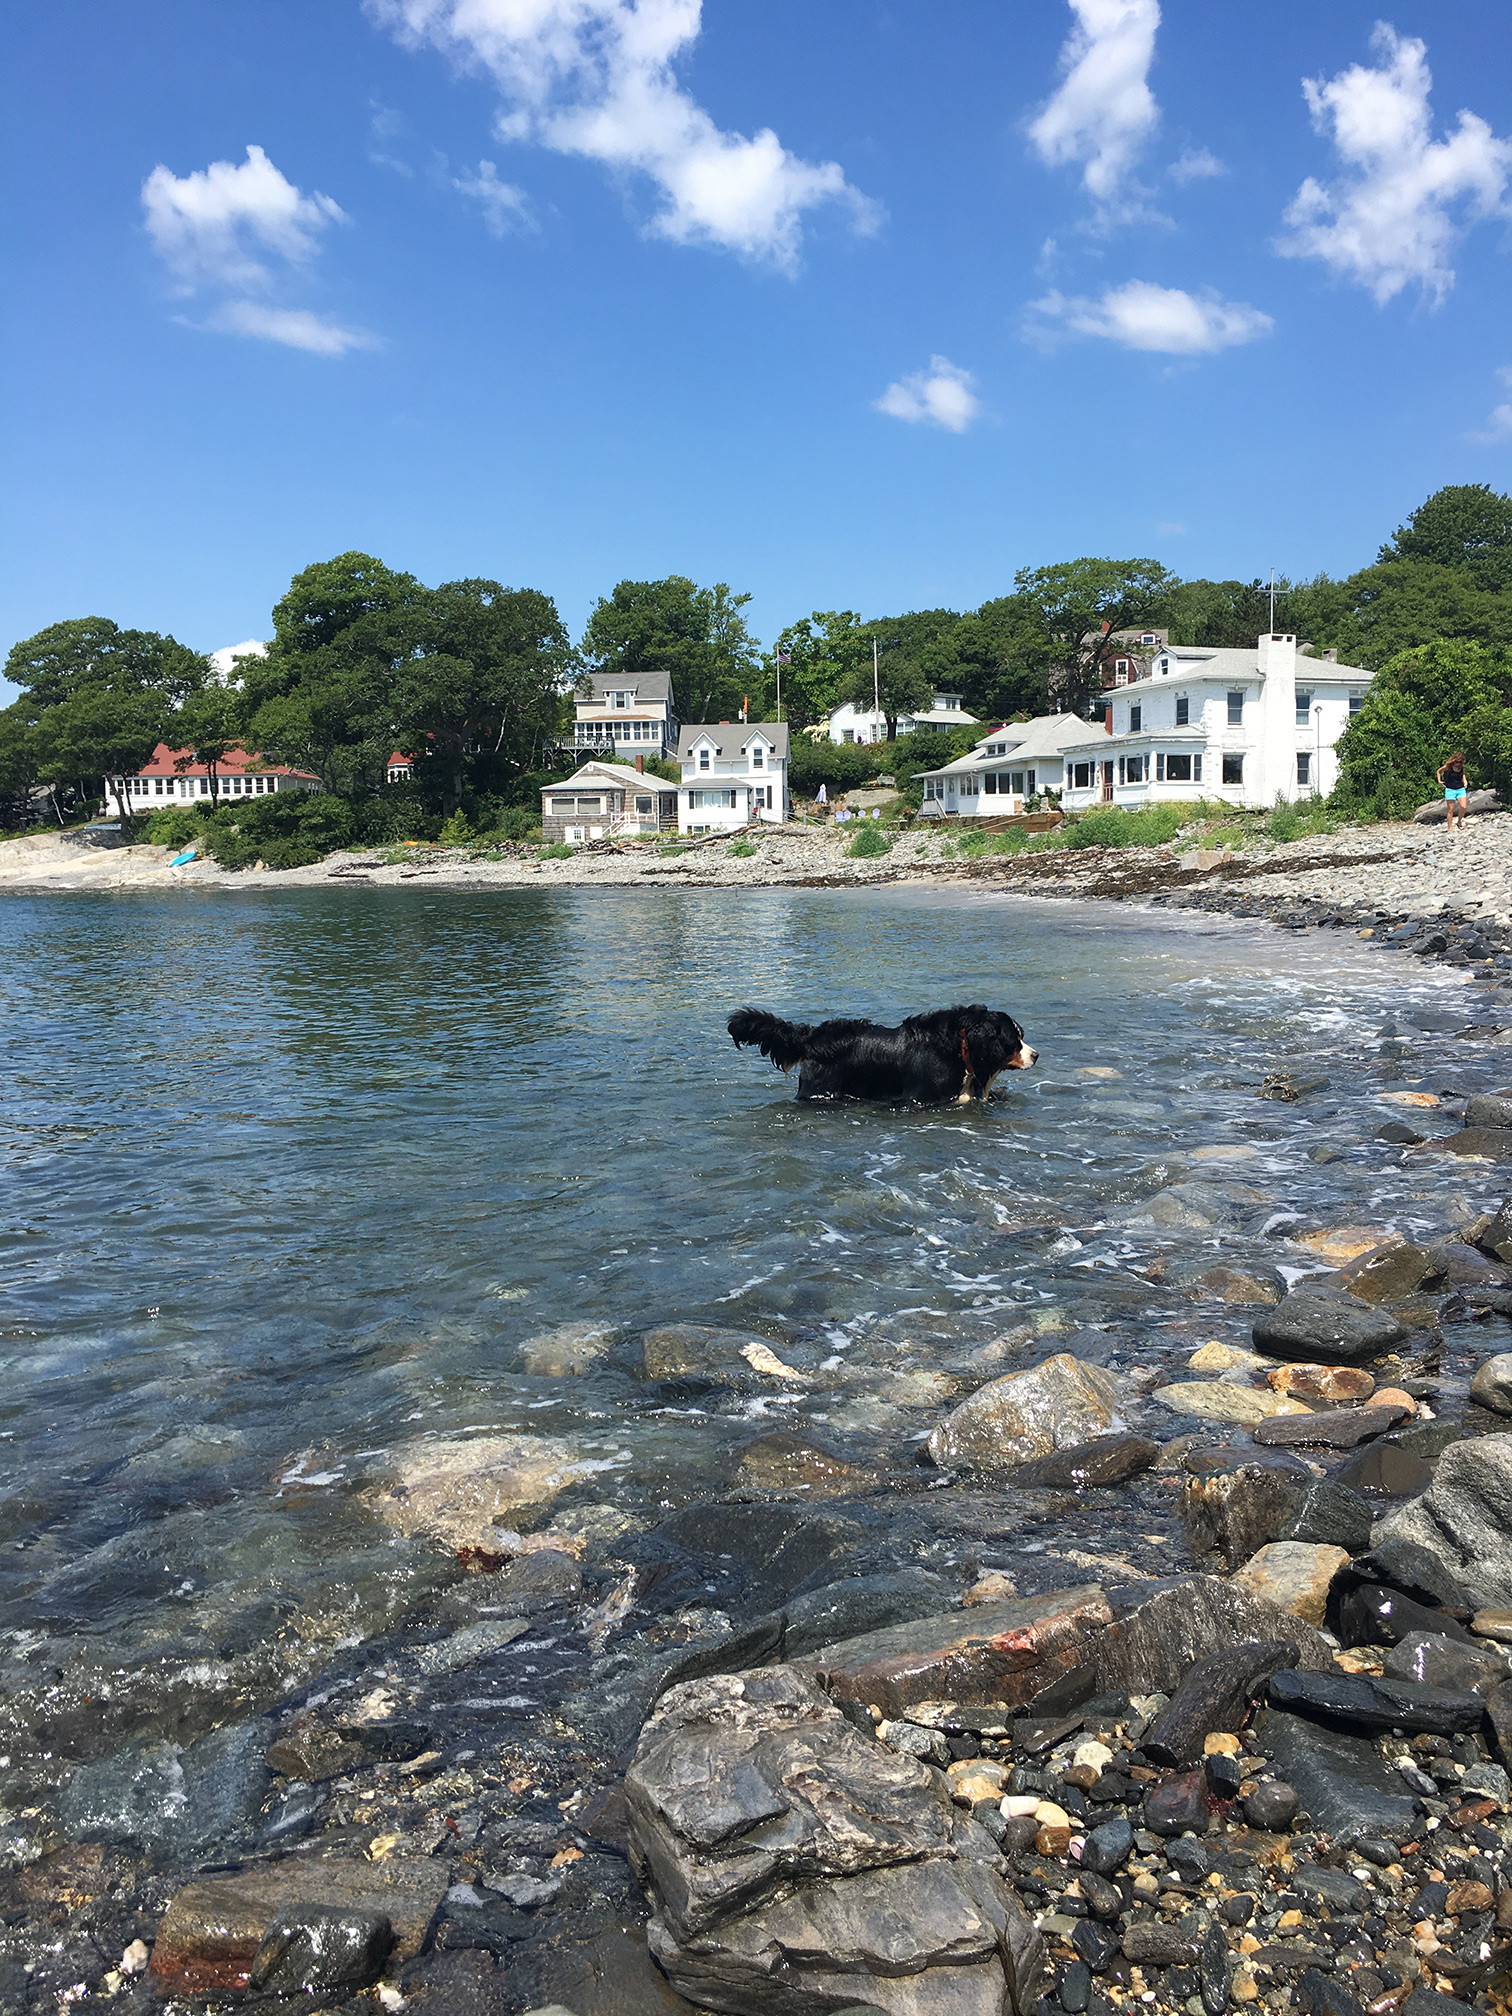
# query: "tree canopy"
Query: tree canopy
698,635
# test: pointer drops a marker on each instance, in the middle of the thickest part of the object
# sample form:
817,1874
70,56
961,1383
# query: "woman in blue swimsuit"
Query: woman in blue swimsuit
1452,776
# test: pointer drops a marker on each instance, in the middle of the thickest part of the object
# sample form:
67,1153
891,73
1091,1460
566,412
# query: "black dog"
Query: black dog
955,1053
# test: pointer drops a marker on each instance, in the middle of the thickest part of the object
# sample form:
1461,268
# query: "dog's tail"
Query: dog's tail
786,1043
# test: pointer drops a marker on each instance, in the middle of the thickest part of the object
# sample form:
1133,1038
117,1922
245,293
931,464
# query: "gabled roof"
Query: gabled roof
1203,661
731,738
1051,735
616,773
644,685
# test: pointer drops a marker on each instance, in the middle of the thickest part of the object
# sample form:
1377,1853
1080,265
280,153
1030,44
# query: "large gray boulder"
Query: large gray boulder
1026,1415
1464,1518
1310,1323
795,1866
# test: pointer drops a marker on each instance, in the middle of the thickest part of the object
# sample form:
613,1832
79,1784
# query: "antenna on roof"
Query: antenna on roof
1273,601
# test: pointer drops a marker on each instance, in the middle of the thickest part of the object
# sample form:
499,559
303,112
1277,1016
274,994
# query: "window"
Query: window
1136,719
1233,769
1162,666
756,757
990,783
703,759
847,735
1183,711
620,699
643,805
1304,707
1304,766
970,786
1236,709
1149,637
1029,776
1081,776
1016,782
1356,702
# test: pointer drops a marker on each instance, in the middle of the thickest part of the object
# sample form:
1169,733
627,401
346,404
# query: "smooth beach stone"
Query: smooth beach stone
1492,1385
1179,1805
1353,1698
1107,1848
570,1348
735,1359
1322,1382
1057,1405
1341,1243
1486,1109
1484,1144
1218,1357
1328,1886
1110,1460
1293,1575
1272,1806
1494,1624
1435,1660
1311,1325
1341,1428
1215,1400
1153,1945
780,1461
465,1493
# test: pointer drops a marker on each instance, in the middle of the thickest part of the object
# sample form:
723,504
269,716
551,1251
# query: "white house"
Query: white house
734,774
848,723
630,710
1247,727
604,798
176,776
1010,765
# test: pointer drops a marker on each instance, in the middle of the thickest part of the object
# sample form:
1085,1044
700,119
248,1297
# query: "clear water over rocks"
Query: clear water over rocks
301,1186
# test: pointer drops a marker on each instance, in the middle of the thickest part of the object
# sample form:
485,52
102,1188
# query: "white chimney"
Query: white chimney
1278,715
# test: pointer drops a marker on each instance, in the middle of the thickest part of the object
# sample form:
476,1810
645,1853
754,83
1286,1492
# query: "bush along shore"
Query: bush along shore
1114,1684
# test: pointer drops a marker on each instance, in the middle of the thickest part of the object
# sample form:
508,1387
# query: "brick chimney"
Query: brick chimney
640,766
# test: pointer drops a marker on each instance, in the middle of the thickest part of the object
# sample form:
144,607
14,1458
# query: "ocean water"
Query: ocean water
291,1177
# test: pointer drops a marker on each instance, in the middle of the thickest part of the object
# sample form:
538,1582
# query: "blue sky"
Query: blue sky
860,305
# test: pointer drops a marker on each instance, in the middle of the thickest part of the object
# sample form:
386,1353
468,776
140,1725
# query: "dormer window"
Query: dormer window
1163,665
619,699
703,758
756,757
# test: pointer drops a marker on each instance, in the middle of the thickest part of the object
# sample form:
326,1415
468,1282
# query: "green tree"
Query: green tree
205,727
482,679
898,684
1465,525
821,653
1004,660
1420,707
90,654
18,766
698,635
1078,605
100,734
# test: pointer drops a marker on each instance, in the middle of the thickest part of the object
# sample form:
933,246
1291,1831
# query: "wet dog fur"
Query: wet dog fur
950,1054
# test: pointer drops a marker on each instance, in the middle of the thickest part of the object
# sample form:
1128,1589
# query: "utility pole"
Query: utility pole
876,690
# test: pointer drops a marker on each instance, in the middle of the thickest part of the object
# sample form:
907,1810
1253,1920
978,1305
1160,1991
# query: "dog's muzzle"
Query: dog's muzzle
1023,1059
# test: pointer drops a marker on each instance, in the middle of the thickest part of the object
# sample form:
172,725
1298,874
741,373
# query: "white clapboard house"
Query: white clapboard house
734,774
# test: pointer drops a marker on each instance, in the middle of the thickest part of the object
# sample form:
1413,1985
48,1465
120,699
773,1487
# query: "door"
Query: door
1107,783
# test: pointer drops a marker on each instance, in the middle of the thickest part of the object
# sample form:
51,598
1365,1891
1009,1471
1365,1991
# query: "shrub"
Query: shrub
174,826
1112,826
742,848
869,843
457,831
557,851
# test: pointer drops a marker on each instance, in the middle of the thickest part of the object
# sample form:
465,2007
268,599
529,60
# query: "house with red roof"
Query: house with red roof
178,777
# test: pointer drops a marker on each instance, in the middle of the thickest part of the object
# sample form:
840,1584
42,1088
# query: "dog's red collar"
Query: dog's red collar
965,1052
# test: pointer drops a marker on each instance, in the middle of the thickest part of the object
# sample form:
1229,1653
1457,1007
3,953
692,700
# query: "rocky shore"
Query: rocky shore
1183,1687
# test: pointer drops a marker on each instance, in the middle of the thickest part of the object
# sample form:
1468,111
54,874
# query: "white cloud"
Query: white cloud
1104,113
942,395
1142,316
1405,199
595,78
504,206
299,328
1499,426
1170,528
207,226
1195,164
215,230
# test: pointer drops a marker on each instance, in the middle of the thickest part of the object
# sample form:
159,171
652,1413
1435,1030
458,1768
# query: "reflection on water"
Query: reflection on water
291,1176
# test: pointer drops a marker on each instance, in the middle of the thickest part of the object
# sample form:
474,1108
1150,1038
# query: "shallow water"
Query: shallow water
291,1176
